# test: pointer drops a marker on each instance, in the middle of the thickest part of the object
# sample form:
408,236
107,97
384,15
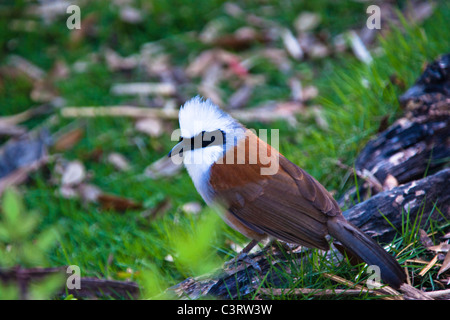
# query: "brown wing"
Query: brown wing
289,205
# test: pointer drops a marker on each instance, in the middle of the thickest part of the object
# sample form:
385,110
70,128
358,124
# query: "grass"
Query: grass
161,252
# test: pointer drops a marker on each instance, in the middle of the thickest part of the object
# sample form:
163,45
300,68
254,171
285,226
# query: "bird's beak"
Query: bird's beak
178,149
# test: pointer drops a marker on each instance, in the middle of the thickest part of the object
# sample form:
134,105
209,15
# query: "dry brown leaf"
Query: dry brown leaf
89,192
446,264
60,70
425,239
278,57
296,89
291,44
241,39
318,50
164,167
358,47
151,126
119,161
26,67
307,21
192,207
390,182
43,91
117,203
117,63
309,93
442,247
68,140
73,173
131,15
240,97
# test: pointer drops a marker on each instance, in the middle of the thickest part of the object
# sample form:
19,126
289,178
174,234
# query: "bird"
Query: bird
262,194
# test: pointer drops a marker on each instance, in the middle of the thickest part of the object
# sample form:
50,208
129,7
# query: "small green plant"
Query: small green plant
23,246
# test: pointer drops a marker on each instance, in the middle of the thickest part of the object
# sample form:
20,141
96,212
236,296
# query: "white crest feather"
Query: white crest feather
199,115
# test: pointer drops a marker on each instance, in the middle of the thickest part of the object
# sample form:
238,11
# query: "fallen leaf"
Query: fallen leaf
118,161
74,173
68,140
358,48
89,192
307,21
291,44
442,247
28,68
192,207
43,91
151,126
318,50
117,63
240,97
309,93
60,70
296,89
446,264
425,239
390,182
164,167
117,203
131,15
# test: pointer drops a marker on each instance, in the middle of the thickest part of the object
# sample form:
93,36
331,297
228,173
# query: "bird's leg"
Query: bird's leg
243,256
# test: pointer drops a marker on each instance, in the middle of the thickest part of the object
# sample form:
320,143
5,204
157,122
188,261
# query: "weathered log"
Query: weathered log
429,196
416,145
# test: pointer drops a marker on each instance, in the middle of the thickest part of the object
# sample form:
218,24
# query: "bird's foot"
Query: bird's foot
243,256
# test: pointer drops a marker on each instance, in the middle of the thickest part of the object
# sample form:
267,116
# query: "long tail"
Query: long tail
364,247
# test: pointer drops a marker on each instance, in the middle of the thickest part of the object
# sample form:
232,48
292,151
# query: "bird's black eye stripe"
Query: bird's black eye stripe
208,139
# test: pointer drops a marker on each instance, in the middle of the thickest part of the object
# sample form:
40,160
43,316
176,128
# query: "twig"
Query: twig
438,293
429,266
393,294
118,111
315,292
25,115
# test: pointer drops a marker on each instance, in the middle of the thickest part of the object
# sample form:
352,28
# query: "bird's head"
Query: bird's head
206,132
